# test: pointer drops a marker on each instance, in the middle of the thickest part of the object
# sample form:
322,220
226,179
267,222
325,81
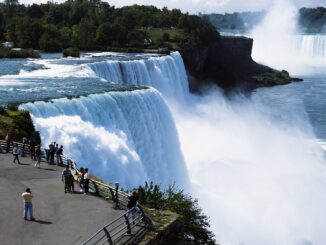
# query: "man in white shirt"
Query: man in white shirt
28,206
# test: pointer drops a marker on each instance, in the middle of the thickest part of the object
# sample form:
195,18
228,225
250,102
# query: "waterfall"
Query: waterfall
166,73
127,137
313,46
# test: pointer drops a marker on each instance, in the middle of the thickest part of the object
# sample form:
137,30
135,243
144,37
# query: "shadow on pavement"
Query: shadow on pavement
43,222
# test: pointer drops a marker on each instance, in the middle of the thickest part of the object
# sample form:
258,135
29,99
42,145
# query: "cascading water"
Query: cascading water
257,170
166,74
128,137
312,46
277,42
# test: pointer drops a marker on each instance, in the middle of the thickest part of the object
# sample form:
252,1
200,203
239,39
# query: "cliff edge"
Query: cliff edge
228,63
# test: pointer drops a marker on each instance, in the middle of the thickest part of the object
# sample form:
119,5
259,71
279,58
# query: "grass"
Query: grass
161,219
16,122
156,35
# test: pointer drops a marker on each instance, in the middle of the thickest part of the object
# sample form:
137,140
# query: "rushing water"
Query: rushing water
256,164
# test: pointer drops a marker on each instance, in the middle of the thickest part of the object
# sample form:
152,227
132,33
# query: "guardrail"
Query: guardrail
126,229
129,227
25,149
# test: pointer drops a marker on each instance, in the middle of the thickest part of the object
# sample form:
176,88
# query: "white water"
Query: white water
167,74
277,42
257,170
127,137
312,46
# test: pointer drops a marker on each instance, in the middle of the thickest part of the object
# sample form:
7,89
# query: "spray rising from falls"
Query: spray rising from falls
257,170
167,73
128,137
277,42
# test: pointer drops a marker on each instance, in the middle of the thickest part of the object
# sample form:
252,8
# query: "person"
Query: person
86,181
66,178
58,153
132,203
7,138
24,141
16,152
32,149
81,179
52,152
38,156
28,206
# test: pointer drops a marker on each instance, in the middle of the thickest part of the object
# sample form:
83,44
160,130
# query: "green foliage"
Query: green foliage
166,37
313,20
23,53
108,34
95,25
50,39
72,52
18,123
196,224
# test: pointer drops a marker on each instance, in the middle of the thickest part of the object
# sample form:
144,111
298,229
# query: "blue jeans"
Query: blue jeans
28,207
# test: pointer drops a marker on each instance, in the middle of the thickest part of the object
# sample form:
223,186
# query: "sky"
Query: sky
205,6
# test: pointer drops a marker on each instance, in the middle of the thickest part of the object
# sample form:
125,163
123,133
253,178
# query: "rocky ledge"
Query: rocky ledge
228,63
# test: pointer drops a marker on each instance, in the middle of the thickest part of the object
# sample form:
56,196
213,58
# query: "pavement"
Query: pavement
60,218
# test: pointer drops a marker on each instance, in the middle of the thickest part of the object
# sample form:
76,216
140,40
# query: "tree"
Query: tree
196,224
50,40
2,24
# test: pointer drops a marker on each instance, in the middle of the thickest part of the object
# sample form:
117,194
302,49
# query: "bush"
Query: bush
196,224
72,52
166,37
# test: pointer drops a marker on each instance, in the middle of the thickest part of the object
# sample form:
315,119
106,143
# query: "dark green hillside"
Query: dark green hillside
96,25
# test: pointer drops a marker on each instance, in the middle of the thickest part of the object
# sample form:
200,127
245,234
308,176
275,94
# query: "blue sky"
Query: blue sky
207,6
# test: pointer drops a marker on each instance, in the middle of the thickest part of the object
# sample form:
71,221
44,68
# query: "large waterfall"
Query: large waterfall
312,45
255,166
127,137
167,73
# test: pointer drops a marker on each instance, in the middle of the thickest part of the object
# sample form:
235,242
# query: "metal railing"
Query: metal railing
24,148
129,227
126,229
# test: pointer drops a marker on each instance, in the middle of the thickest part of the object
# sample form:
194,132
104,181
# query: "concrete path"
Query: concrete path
60,218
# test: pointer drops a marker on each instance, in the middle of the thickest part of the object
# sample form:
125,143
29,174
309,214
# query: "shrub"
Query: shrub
72,52
196,224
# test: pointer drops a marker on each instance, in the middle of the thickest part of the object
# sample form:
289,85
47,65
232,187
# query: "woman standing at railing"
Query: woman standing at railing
86,181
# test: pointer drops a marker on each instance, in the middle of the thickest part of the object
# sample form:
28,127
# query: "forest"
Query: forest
312,20
96,25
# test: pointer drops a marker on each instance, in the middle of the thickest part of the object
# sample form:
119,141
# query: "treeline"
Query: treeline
312,20
93,25
235,22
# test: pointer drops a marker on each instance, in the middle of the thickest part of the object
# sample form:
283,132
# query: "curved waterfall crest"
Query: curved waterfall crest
166,73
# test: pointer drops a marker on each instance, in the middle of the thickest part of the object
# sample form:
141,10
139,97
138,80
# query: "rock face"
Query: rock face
228,63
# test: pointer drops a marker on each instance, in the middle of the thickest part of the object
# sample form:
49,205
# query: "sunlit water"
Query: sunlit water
256,164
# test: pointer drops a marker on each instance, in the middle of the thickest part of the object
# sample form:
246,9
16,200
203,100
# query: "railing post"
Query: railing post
148,222
127,223
108,236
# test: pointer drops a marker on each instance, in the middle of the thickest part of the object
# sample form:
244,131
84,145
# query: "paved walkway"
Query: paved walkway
60,218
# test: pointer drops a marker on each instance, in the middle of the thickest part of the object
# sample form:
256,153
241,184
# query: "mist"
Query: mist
259,174
279,44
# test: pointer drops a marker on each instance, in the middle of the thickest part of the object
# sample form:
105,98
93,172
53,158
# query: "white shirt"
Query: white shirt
86,176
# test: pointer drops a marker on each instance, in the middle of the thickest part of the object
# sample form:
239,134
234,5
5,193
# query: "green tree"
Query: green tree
2,24
196,224
50,40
